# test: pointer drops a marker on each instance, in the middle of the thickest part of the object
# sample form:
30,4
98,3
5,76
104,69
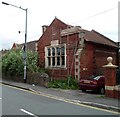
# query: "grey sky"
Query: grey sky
41,12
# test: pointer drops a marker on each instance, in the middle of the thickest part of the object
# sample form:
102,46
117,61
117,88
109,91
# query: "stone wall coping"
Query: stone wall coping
117,87
110,65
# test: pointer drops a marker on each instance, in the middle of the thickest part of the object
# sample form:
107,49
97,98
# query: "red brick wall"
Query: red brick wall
100,57
46,38
87,61
117,94
94,57
72,44
112,94
58,73
110,76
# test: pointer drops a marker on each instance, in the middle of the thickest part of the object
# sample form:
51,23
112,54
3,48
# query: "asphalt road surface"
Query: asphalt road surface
17,101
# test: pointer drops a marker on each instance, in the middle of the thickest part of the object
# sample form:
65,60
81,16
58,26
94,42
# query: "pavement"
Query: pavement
76,96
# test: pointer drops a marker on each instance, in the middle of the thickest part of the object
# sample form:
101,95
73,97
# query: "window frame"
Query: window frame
55,56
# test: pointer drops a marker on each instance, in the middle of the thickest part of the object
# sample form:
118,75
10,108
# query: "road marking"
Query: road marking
71,101
61,99
27,112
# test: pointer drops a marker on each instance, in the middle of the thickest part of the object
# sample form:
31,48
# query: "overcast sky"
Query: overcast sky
100,15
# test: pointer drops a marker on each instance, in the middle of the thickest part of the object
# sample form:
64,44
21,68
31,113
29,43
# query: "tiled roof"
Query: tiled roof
94,36
90,36
31,46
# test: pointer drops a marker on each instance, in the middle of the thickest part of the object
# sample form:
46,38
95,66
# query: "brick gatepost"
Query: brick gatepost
110,78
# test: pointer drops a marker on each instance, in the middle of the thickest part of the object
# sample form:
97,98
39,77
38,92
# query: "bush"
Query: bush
69,83
13,63
32,61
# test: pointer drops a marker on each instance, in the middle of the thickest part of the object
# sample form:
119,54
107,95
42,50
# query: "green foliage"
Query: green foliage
72,82
69,83
13,63
32,60
43,70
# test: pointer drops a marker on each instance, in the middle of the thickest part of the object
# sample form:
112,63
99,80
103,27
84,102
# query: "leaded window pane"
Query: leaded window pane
62,51
63,60
49,52
58,50
58,61
49,61
53,51
53,61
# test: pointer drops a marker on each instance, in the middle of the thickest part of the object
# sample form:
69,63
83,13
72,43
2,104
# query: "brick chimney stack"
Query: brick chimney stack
44,27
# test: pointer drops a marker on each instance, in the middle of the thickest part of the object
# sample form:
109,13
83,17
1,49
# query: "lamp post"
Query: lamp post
25,45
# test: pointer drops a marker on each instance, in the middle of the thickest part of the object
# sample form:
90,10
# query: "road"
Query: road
17,101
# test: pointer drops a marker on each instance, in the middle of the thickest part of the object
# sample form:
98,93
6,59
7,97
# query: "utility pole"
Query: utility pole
25,45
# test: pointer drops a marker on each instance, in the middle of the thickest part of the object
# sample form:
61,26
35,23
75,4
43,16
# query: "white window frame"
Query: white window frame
46,56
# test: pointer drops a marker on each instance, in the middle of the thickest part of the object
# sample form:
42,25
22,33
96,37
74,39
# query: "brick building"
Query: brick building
70,50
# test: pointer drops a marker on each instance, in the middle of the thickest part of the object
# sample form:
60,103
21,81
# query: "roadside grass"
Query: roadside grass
100,96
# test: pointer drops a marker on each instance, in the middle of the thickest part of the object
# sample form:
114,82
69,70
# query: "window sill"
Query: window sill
56,67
